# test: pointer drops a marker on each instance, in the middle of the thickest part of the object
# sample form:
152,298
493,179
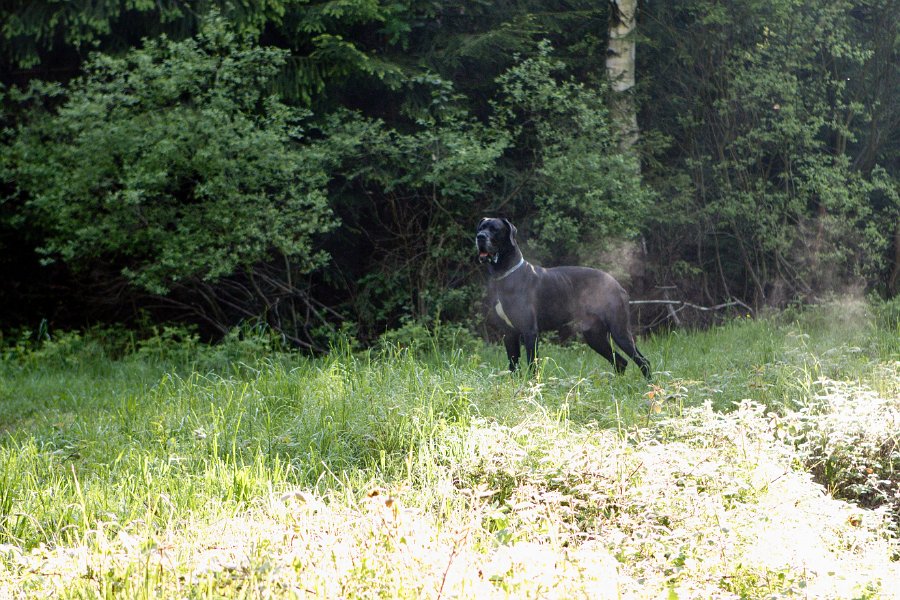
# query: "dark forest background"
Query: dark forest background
320,166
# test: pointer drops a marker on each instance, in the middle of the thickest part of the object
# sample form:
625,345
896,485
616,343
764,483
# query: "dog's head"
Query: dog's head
494,237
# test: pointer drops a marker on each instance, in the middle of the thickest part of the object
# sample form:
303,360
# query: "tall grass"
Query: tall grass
173,436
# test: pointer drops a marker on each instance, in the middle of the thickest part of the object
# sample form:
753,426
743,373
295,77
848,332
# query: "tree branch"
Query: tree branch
682,304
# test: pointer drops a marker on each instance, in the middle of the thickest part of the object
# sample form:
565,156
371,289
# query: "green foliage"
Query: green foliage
548,139
846,439
438,339
583,189
31,29
174,163
327,40
66,350
888,313
411,193
763,126
188,168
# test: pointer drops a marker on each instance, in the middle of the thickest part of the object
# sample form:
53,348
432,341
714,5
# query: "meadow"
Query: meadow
761,461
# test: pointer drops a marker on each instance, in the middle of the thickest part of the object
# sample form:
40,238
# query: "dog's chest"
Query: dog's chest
498,308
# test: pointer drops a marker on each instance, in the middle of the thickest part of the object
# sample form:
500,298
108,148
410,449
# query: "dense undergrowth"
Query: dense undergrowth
163,466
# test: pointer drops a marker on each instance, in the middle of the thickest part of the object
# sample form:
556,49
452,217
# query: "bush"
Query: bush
579,186
847,437
421,337
174,164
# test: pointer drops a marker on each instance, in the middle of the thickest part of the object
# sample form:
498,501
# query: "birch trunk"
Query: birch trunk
620,69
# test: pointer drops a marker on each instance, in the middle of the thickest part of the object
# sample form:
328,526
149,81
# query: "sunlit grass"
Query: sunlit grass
424,469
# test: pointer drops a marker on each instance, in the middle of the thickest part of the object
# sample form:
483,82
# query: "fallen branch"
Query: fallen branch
684,304
673,307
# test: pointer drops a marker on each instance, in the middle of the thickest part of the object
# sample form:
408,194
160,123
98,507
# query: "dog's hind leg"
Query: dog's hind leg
624,340
598,338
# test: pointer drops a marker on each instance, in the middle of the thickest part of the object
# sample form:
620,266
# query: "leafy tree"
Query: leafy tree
413,194
173,163
570,174
760,199
409,196
328,40
184,171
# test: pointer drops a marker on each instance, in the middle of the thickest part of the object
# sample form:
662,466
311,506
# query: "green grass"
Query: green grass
178,469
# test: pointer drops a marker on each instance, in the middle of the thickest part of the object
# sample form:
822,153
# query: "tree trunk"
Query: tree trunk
620,68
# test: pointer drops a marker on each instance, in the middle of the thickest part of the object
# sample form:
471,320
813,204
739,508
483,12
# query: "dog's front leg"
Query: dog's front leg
513,349
531,341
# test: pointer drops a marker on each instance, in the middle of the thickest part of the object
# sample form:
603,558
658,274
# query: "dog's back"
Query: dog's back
578,296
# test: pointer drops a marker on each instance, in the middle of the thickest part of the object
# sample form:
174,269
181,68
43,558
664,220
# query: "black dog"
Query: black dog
524,300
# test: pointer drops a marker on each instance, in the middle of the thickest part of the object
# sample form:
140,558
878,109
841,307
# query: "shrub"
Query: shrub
847,436
176,165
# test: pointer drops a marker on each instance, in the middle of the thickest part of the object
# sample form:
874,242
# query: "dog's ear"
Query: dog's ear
512,232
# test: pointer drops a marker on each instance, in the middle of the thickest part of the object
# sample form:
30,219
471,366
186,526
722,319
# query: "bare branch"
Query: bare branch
682,304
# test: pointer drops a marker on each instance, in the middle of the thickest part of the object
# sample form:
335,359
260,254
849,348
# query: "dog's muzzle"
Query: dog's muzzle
486,251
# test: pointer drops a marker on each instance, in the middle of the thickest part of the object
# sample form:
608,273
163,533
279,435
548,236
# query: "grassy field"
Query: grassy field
761,462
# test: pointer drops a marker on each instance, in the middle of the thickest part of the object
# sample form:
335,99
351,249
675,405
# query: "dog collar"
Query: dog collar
510,272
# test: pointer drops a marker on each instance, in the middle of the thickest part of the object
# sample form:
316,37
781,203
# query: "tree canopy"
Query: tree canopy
321,164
